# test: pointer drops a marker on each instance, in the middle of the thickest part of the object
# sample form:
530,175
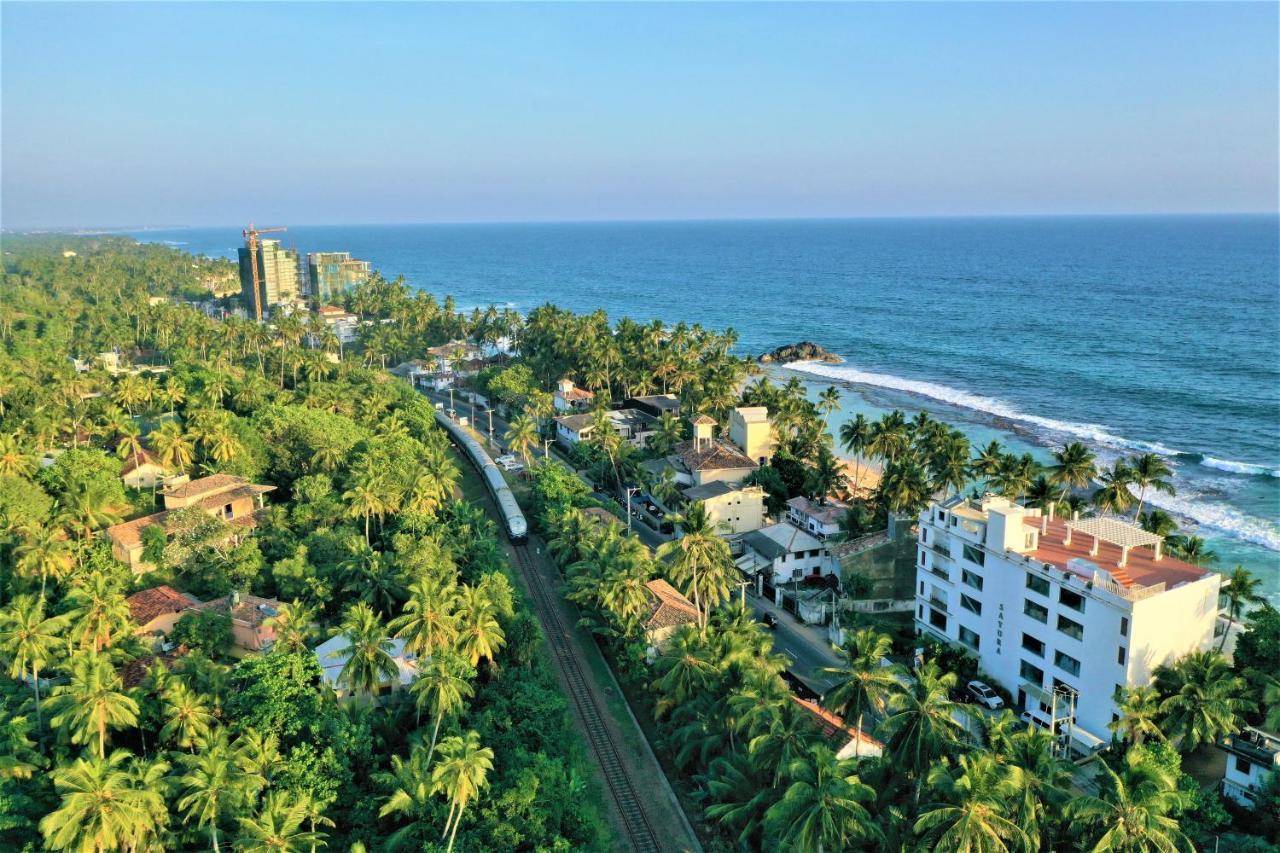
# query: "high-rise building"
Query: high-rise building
278,276
334,273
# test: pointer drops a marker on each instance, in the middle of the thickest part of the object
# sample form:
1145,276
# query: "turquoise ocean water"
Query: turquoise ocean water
1128,333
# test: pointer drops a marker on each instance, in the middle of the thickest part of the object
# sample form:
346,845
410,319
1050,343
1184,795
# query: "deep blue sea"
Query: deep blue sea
1129,333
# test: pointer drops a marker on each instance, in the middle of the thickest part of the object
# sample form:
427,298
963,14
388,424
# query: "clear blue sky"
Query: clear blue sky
218,114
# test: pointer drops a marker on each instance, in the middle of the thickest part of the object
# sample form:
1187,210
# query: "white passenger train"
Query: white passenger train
512,517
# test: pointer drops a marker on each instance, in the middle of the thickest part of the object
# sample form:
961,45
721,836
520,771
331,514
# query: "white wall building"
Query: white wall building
822,520
785,553
1072,608
1252,757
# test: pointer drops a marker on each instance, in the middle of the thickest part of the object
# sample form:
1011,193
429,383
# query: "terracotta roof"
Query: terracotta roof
157,601
249,609
247,491
670,608
144,457
1141,570
831,513
833,729
135,671
702,419
194,488
129,533
712,456
576,394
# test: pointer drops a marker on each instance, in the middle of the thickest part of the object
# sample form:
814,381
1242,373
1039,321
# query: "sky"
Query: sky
194,114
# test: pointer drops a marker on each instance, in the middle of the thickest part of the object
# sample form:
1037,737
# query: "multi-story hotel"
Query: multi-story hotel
1061,612
332,274
278,277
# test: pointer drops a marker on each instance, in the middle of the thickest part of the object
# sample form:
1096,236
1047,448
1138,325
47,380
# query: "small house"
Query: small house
334,653
1253,756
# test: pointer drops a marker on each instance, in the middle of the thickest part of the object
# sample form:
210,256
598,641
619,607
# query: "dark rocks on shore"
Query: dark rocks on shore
803,351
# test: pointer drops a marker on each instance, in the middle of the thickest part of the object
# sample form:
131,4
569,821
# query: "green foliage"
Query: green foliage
555,488
204,630
279,695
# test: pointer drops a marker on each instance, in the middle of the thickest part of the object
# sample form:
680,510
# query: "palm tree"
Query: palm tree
1138,708
1149,471
188,717
987,461
104,806
1015,475
788,737
214,786
89,507
461,774
828,402
887,437
174,447
905,487
1159,522
684,669
921,725
522,435
971,801
1242,588
367,497
277,827
863,683
428,620
442,687
1132,810
293,624
1044,779
369,663
1074,468
14,460
699,562
480,634
29,640
823,807
92,702
854,438
1203,699
667,434
98,611
44,552
1192,549
1114,495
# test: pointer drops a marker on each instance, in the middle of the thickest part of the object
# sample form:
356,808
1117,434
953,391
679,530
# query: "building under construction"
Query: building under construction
333,274
269,274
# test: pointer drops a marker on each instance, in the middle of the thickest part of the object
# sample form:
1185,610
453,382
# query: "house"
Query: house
633,426
668,610
456,358
249,615
845,740
783,553
133,673
751,430
1253,757
145,471
232,499
822,520
568,398
334,653
1065,613
654,405
730,508
155,611
342,323
706,459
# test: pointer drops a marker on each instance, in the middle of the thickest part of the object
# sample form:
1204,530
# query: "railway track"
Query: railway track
639,831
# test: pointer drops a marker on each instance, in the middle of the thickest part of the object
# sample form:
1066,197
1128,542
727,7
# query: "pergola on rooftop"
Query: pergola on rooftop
1113,531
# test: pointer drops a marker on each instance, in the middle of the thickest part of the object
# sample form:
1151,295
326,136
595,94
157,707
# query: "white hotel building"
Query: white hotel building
1060,612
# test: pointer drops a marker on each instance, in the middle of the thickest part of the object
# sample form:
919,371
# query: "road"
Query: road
805,645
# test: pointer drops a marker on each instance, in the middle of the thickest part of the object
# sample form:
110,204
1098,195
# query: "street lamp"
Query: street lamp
630,491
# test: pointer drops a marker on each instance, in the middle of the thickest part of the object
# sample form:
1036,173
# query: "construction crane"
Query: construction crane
251,244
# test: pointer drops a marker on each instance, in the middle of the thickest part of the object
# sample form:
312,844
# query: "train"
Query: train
512,518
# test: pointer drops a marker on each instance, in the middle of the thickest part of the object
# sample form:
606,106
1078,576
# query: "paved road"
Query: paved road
805,645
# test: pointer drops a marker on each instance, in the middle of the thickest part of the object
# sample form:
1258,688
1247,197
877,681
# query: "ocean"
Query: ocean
1131,334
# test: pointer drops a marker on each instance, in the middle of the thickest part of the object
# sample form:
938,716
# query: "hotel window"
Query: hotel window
937,619
1066,663
969,638
972,580
1074,600
1035,611
922,587
1124,626
1072,629
1031,673
1121,655
971,604
1243,766
973,555
1033,645
1035,583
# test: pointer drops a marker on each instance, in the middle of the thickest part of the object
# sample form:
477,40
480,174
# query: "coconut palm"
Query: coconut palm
98,611
428,620
987,461
1192,549
855,436
1242,588
480,634
367,497
1139,707
14,460
461,775
949,462
1159,522
369,663
1133,810
29,641
522,435
788,738
1015,475
92,702
442,687
888,438
668,432
968,807
175,448
699,562
188,717
278,826
105,805
905,486
828,402
684,669
293,626
1204,699
921,726
1271,702
1114,495
44,552
411,796
213,786
863,684
1149,471
823,807
89,507
1074,468
1044,779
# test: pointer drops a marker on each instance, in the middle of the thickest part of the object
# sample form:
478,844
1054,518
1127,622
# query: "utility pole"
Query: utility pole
742,591
546,450
451,409
491,425
630,491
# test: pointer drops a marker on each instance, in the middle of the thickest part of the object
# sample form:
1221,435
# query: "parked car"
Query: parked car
513,466
982,694
505,459
770,621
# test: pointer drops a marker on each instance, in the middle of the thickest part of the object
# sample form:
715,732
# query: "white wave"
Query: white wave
1240,467
1224,519
989,405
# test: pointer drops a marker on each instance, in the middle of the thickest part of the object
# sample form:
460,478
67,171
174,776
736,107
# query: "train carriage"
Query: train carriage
512,517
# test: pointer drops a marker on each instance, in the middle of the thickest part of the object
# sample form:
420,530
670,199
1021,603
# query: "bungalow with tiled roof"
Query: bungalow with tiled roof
668,610
706,459
569,398
144,470
155,611
249,615
232,499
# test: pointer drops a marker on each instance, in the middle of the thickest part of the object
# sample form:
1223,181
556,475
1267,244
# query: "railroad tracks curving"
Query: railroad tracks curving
639,831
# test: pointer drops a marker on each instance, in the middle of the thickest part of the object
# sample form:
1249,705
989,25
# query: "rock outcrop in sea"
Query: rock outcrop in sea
802,351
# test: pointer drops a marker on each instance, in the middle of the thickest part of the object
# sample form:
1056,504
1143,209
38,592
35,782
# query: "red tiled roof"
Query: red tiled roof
712,456
670,608
832,728
576,394
1141,569
129,533
157,601
144,457
249,609
135,671
205,485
